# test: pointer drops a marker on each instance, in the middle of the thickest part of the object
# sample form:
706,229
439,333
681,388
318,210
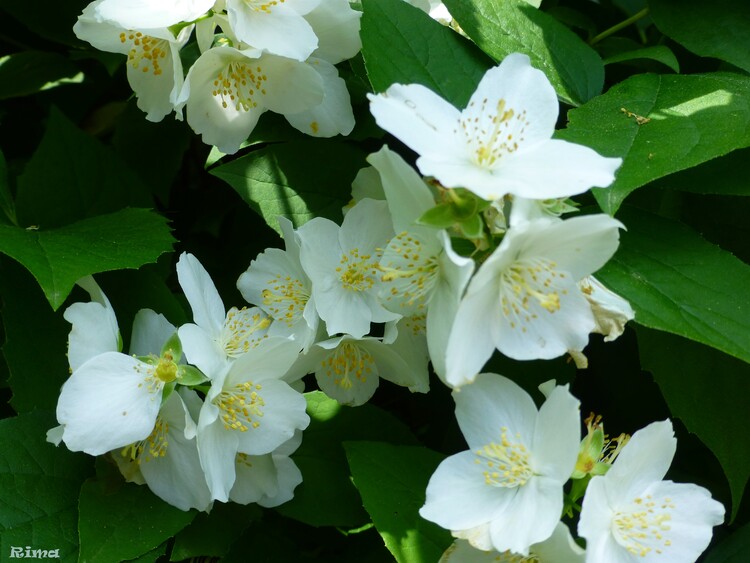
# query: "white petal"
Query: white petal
256,477
202,350
491,403
109,402
289,477
147,14
418,117
292,86
336,25
559,548
217,449
408,369
200,291
94,332
557,435
151,331
347,373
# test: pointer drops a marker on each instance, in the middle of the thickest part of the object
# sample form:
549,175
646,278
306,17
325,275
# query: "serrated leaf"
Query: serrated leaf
513,26
72,176
57,258
298,180
660,124
29,72
710,392
659,53
678,282
392,481
734,549
711,29
401,44
125,523
39,486
326,496
30,327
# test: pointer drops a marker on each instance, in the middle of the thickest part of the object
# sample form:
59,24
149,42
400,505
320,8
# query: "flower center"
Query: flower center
412,272
166,369
146,52
263,6
510,557
240,328
241,407
645,528
238,84
492,133
347,364
153,447
286,299
527,285
357,272
508,463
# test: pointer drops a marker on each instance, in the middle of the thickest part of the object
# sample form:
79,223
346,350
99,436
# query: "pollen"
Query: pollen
507,462
285,298
238,84
644,528
412,271
241,407
357,272
146,53
348,364
153,447
530,287
492,131
243,329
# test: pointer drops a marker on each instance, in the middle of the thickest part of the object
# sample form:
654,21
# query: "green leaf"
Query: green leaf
125,523
402,44
326,496
29,72
734,549
299,180
50,19
662,124
710,392
513,26
711,29
73,176
59,257
6,199
392,481
39,486
726,175
36,341
213,534
678,282
659,53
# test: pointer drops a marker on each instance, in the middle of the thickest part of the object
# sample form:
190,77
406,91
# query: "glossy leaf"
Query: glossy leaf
662,124
392,481
734,549
29,72
514,26
659,53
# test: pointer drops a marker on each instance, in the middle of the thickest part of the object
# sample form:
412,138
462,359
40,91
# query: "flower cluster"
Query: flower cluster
503,498
255,55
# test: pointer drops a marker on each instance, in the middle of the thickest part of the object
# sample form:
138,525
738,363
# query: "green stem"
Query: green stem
615,28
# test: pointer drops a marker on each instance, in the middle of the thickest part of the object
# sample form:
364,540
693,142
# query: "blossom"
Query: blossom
631,514
336,25
524,300
227,90
249,410
511,479
500,143
342,263
558,548
154,68
611,312
148,14
217,337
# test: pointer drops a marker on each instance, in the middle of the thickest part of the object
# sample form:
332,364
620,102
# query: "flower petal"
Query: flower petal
200,291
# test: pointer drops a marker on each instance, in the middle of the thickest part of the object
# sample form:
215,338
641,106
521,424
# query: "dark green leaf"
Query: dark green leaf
392,481
662,124
50,19
402,44
6,199
659,53
726,175
326,496
39,486
73,176
59,257
29,72
513,26
125,523
31,326
299,180
679,283
720,28
734,549
710,392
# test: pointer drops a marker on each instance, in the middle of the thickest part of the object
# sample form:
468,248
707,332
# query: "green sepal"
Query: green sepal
119,341
190,376
167,391
441,216
473,227
173,347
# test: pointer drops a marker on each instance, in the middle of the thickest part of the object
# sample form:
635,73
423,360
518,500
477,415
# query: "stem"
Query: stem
615,28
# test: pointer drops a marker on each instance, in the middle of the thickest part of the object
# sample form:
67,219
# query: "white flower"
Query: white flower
524,300
342,263
421,272
630,514
149,14
217,337
249,410
558,548
511,479
273,26
501,143
227,90
154,68
349,369
276,282
611,312
336,25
